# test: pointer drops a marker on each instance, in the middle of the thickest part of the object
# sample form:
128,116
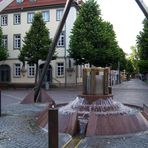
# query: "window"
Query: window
4,20
30,17
45,15
60,69
59,13
5,41
17,41
19,1
17,70
61,41
17,19
31,70
32,1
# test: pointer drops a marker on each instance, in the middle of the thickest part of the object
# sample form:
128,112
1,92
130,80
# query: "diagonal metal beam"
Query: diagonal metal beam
52,49
143,7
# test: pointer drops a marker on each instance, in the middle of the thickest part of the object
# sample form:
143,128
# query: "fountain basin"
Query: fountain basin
102,117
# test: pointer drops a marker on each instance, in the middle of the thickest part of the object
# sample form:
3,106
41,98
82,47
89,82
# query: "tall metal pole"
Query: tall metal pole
52,49
0,103
143,7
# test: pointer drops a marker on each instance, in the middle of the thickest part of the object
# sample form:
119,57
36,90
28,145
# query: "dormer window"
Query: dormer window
32,1
19,1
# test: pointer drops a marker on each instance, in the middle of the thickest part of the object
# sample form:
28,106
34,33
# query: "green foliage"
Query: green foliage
134,57
122,59
142,43
129,67
93,40
143,66
3,52
36,42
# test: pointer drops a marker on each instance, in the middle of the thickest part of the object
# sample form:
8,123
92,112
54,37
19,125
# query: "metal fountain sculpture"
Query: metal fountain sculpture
38,94
143,7
52,49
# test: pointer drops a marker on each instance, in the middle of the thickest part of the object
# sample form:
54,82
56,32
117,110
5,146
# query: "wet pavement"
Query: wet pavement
18,127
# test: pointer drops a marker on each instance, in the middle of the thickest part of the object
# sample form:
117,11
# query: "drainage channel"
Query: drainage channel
74,142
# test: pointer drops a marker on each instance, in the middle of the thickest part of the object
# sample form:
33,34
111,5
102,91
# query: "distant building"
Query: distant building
16,20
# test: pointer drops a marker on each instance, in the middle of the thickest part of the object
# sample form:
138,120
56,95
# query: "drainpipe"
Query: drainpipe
65,57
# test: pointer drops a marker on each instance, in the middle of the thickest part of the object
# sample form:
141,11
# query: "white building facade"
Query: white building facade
16,19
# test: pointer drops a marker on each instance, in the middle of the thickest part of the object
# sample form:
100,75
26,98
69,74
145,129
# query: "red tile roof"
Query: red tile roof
27,4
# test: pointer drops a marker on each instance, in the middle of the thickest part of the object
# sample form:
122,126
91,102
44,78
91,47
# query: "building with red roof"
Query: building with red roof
16,19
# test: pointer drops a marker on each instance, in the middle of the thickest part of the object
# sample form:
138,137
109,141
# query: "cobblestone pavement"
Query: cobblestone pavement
139,140
18,128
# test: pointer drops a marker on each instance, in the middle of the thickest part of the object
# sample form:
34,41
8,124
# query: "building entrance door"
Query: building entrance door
48,76
4,74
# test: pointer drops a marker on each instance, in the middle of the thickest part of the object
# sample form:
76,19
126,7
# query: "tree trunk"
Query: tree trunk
36,78
36,74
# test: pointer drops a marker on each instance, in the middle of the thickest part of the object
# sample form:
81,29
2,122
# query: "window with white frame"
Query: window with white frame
17,41
60,69
19,1
61,41
59,13
4,20
17,70
45,15
30,16
31,70
17,19
5,41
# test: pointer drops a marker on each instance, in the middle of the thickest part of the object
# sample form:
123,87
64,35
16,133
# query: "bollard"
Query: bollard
0,103
53,128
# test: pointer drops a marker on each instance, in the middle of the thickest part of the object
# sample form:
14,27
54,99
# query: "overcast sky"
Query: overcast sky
126,17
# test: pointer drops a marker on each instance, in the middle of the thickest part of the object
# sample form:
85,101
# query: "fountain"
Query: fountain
94,112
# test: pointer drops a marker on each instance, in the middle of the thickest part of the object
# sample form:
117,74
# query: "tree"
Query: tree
93,40
134,57
129,68
142,44
122,59
3,51
36,43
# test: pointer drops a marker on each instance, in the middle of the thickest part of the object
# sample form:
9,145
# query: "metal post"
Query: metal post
143,7
0,103
53,128
52,49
